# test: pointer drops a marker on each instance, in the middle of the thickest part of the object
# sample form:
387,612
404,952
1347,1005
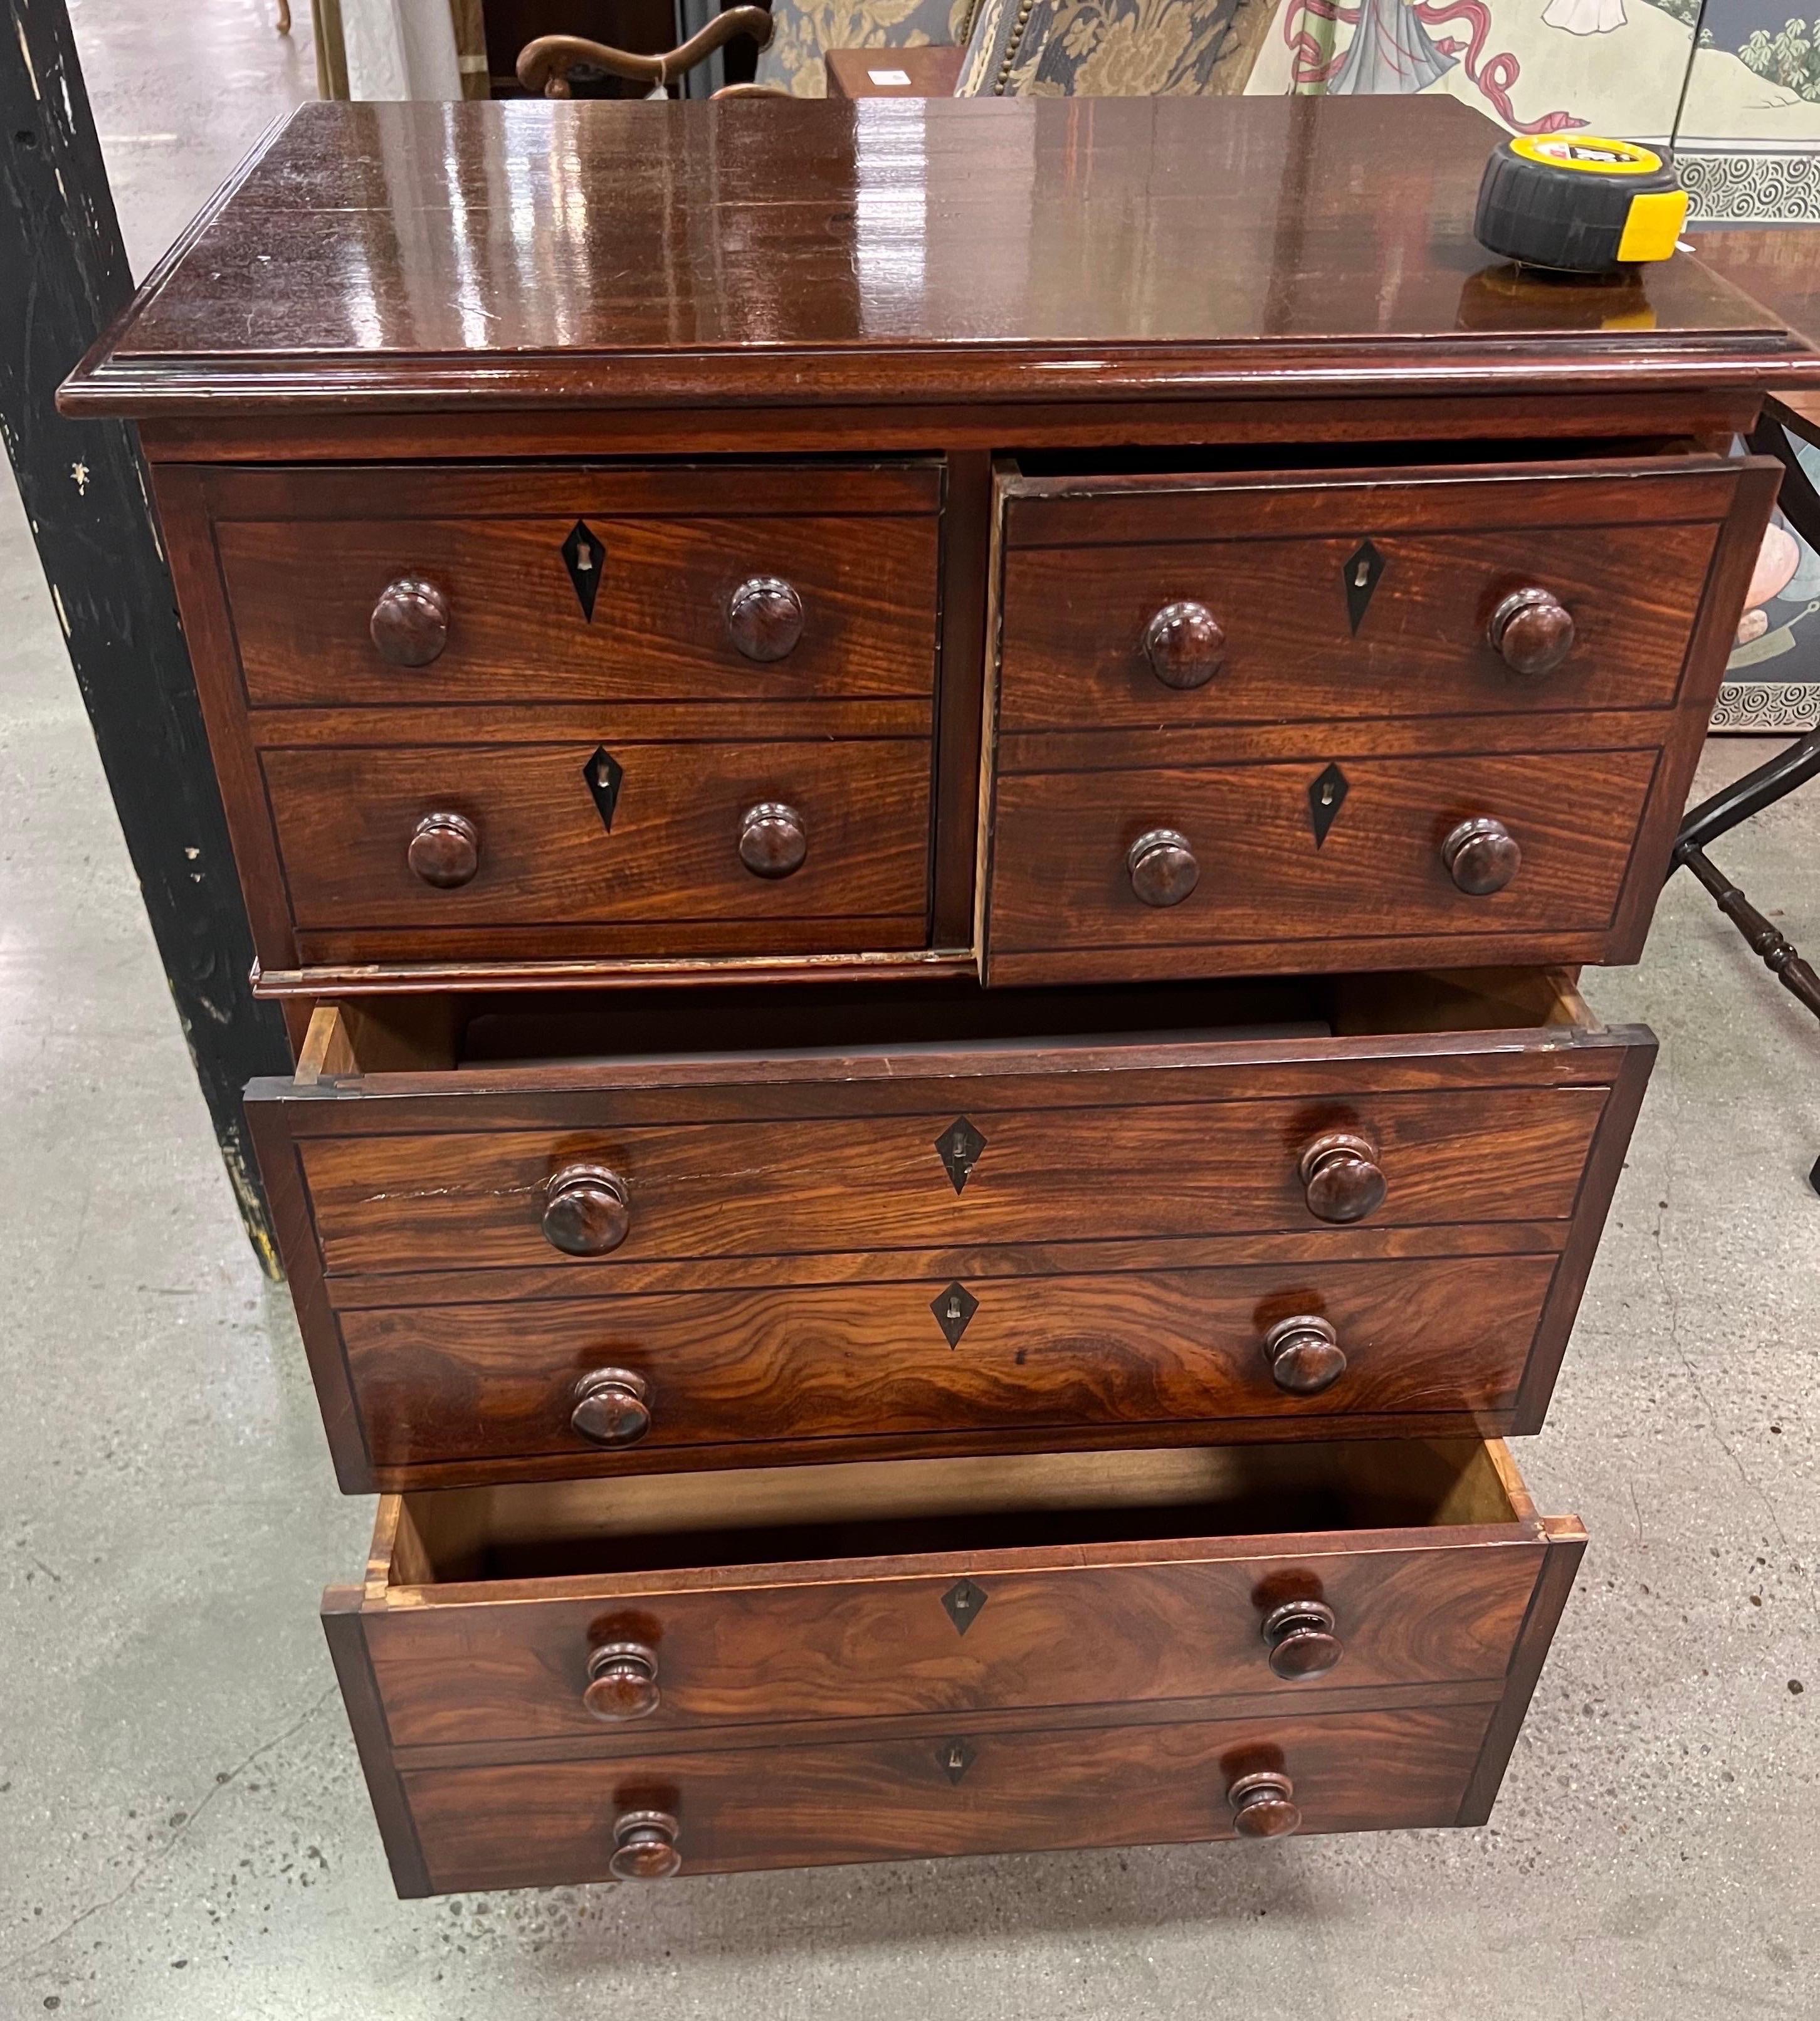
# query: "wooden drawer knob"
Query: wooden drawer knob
1184,644
445,850
622,1681
764,617
1264,1805
1482,855
1341,1176
410,622
1162,867
1300,1639
772,841
644,1846
1532,631
586,1211
1304,1355
612,1407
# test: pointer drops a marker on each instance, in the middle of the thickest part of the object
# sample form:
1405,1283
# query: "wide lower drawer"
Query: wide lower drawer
533,1652
557,1824
523,1243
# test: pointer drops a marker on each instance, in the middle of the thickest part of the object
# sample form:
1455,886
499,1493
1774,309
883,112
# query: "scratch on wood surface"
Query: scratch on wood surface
25,55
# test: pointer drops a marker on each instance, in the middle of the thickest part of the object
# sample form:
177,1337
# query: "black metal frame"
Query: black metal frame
1768,783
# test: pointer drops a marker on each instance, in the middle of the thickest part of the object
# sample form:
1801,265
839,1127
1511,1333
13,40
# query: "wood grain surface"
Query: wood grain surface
445,1384
302,592
484,1663
1060,879
475,1201
771,251
670,860
1077,597
549,1824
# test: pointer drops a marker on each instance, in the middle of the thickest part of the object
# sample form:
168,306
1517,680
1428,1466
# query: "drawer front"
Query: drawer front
454,1385
481,1199
1351,595
606,585
639,836
987,1630
1284,861
550,1823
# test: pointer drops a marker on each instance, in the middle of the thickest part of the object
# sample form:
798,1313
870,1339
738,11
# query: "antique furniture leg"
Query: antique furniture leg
1767,783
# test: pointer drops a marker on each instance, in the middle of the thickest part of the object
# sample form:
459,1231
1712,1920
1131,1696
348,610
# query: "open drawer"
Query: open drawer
525,1664
1377,716
531,1242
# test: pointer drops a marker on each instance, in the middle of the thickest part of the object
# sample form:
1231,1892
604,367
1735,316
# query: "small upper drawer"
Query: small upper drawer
733,582
597,1610
457,850
1140,599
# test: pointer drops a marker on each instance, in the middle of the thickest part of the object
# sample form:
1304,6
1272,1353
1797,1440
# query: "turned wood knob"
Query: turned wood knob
612,1407
1304,1355
1482,855
1532,631
1264,1805
622,1681
410,622
1184,644
1300,1639
1342,1175
772,840
1162,867
764,617
445,850
644,1846
586,1211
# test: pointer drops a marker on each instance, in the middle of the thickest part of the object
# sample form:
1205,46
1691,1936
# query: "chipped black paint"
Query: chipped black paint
86,494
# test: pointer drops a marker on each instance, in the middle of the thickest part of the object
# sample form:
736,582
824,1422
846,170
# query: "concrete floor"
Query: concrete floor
183,1829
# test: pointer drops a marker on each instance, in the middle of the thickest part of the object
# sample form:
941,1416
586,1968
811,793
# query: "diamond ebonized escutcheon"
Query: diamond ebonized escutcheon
604,774
1326,795
955,1757
963,1602
585,559
1363,567
954,1310
960,1144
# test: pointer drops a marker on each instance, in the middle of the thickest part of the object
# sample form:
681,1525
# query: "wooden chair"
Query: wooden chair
793,37
1087,49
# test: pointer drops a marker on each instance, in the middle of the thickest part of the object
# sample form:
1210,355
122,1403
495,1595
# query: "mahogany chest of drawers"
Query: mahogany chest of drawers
926,807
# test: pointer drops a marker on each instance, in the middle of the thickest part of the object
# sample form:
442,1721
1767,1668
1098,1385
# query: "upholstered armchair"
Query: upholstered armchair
1087,48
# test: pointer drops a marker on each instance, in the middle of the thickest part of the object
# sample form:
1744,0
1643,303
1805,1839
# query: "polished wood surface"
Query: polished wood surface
304,555
683,821
1778,266
1338,594
446,1384
1062,879
539,1826
781,1233
763,249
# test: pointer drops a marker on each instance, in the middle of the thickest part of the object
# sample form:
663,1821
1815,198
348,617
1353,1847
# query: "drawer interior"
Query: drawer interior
847,1512
487,1033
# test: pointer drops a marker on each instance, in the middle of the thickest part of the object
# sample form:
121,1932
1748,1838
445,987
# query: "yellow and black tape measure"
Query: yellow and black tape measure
1579,203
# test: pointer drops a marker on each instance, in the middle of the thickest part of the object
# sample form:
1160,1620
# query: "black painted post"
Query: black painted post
63,275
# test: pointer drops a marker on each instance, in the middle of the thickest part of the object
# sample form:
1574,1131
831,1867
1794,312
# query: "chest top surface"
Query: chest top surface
601,253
